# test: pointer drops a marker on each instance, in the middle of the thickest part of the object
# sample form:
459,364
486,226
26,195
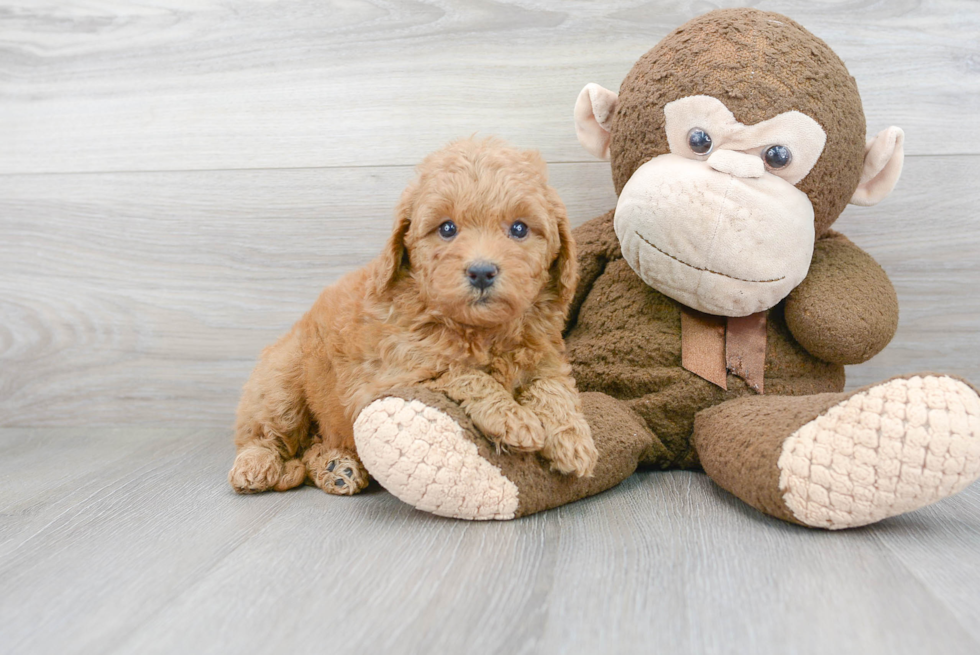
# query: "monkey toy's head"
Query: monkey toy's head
735,143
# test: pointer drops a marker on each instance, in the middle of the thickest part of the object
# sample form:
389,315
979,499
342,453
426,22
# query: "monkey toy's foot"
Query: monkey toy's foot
423,448
845,460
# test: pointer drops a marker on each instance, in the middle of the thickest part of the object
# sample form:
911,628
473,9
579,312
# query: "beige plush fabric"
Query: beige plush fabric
890,449
742,245
624,338
429,464
884,156
443,477
761,64
594,110
801,134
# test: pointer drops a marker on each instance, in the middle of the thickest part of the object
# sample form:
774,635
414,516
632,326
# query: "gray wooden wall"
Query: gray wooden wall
179,179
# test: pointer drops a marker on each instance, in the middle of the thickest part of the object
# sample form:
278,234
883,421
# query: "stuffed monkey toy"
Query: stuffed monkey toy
716,307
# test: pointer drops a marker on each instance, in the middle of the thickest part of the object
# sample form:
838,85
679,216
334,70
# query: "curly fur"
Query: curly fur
412,317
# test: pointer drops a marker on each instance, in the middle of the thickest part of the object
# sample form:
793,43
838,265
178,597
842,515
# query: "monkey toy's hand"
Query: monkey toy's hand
846,310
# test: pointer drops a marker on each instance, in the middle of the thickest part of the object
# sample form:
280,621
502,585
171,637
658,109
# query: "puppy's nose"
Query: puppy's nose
482,274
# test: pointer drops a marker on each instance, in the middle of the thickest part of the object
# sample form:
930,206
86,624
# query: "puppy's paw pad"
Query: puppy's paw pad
343,476
255,470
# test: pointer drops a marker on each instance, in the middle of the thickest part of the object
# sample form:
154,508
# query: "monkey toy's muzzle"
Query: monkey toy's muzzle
719,234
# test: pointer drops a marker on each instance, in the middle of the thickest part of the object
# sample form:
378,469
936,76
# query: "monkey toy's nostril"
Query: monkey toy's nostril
481,274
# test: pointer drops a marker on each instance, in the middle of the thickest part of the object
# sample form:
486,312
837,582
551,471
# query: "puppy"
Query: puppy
469,297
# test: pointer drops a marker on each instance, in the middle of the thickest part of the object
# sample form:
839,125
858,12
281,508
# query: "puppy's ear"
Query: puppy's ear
564,270
394,257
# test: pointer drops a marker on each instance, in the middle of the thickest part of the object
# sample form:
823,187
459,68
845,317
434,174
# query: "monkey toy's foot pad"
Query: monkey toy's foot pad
423,448
423,457
885,450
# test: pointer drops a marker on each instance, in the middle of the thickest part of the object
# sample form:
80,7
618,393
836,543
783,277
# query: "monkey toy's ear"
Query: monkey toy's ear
883,158
594,110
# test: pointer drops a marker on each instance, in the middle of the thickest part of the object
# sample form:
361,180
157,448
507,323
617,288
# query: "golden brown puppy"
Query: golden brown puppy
469,297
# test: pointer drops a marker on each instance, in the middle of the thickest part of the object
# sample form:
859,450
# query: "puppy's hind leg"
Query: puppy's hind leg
273,423
335,470
258,469
331,461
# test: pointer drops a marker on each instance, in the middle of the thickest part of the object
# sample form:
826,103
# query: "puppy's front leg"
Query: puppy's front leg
492,409
568,440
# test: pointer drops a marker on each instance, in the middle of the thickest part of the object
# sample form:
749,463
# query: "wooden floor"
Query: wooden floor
177,182
129,540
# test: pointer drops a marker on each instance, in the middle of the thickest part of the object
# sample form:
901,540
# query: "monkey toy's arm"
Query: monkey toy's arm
596,244
846,310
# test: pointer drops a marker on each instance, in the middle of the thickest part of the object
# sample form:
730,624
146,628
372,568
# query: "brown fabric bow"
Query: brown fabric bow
713,346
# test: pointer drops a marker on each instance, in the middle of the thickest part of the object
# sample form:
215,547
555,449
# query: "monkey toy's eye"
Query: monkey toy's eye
699,140
519,230
778,157
447,230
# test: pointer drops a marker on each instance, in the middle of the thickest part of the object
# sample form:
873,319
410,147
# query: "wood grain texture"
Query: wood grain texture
146,297
138,298
152,552
178,180
175,85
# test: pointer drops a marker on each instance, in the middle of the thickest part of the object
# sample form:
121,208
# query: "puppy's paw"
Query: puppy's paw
522,430
570,448
255,470
343,476
510,425
336,471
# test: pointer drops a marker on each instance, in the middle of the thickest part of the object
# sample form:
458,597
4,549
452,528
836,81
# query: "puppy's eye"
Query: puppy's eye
778,157
447,230
699,140
519,230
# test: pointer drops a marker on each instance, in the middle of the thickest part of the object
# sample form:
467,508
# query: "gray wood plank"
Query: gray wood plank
928,241
154,553
133,288
137,301
117,86
140,298
29,482
88,564
703,572
938,545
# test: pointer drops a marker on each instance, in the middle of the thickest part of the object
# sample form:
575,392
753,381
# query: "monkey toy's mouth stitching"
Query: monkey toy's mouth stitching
706,270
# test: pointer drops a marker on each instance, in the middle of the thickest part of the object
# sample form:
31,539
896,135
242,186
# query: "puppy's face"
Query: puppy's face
486,237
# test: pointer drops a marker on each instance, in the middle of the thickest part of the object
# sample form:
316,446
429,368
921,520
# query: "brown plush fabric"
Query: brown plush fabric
626,342
739,443
619,436
623,338
846,310
602,245
759,64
